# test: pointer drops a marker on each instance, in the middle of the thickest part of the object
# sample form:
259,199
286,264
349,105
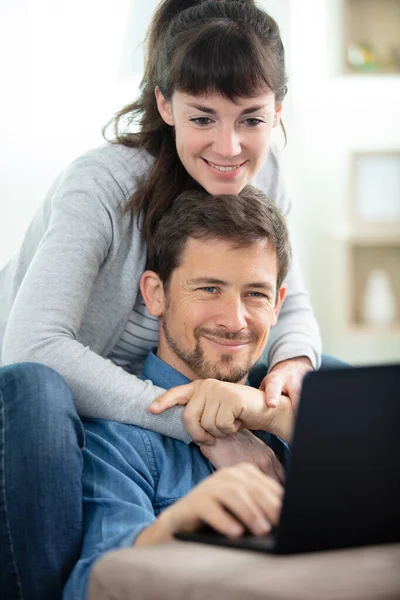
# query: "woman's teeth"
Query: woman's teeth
219,168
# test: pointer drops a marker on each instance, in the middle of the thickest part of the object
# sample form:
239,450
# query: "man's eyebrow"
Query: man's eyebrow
211,111
261,285
206,281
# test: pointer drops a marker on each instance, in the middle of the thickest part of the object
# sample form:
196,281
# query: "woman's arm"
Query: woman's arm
297,333
73,260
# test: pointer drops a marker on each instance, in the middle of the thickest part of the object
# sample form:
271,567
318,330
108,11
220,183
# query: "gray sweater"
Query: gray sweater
67,295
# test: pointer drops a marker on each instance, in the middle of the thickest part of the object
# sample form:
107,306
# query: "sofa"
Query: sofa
189,571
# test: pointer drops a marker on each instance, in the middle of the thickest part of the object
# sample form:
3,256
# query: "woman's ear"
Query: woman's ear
164,107
277,115
152,290
281,296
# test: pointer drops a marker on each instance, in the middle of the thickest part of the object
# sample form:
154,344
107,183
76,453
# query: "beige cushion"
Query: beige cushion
183,571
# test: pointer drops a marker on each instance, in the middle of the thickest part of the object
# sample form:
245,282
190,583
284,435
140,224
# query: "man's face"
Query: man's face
218,308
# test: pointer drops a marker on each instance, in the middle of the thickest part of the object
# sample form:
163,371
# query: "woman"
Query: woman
211,94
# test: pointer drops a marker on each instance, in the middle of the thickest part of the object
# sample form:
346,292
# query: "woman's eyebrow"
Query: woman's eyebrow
212,111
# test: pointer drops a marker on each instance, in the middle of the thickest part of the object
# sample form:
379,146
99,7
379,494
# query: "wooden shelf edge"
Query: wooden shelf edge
385,234
392,330
370,73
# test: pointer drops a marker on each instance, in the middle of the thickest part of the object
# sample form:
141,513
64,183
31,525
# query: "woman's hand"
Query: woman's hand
244,446
229,501
285,378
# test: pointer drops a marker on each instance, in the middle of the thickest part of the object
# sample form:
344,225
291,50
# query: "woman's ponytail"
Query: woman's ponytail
165,12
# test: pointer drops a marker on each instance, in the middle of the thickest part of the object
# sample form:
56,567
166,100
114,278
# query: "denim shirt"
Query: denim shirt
132,474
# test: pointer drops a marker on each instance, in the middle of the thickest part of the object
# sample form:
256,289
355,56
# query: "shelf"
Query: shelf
371,36
374,282
375,186
368,330
373,236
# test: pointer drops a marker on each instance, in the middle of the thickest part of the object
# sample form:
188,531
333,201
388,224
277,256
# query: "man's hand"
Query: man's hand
230,500
244,446
285,378
215,409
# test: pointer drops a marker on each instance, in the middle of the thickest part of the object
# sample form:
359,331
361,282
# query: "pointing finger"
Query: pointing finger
175,396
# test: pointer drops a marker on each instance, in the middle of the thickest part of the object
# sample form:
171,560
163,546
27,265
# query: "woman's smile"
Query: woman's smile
224,171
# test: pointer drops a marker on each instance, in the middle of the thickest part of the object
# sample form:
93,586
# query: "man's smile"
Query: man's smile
221,343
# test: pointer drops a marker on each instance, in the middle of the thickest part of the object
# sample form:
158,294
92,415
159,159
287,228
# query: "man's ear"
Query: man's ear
164,107
152,290
281,296
277,115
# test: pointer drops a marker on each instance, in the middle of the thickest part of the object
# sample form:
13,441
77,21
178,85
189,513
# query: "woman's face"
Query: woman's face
222,144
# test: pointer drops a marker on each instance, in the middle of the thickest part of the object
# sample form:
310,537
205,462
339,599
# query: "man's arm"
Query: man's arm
222,408
245,446
229,500
118,489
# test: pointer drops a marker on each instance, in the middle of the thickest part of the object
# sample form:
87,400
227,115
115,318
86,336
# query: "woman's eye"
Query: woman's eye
253,122
201,121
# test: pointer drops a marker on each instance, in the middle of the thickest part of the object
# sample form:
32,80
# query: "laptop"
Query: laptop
343,481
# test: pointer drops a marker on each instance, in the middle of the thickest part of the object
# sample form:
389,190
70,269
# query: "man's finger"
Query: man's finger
199,436
191,418
279,471
227,419
207,416
273,391
175,396
294,392
214,514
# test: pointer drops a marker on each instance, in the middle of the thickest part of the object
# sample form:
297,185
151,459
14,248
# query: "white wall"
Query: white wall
67,69
69,66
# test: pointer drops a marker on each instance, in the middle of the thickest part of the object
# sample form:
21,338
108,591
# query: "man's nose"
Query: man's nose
227,142
232,315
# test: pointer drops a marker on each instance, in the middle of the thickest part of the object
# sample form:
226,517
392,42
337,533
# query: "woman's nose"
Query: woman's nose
227,143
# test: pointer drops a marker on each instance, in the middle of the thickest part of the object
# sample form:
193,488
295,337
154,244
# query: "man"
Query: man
215,281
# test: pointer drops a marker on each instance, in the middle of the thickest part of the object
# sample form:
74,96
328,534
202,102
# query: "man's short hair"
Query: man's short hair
242,219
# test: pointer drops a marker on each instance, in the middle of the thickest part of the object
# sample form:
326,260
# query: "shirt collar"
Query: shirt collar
161,374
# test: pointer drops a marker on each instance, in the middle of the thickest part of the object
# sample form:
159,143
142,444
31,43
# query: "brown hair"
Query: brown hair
194,46
242,219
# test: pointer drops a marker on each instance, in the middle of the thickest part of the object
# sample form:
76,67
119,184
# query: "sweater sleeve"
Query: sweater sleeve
53,297
296,332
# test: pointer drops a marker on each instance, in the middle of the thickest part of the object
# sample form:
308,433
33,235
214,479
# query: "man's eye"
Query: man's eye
209,289
253,122
202,121
257,295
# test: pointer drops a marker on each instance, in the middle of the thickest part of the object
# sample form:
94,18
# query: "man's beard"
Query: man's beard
197,362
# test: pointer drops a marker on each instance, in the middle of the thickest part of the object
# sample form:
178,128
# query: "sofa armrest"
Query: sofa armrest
178,571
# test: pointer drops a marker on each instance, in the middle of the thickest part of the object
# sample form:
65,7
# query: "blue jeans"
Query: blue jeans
41,438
